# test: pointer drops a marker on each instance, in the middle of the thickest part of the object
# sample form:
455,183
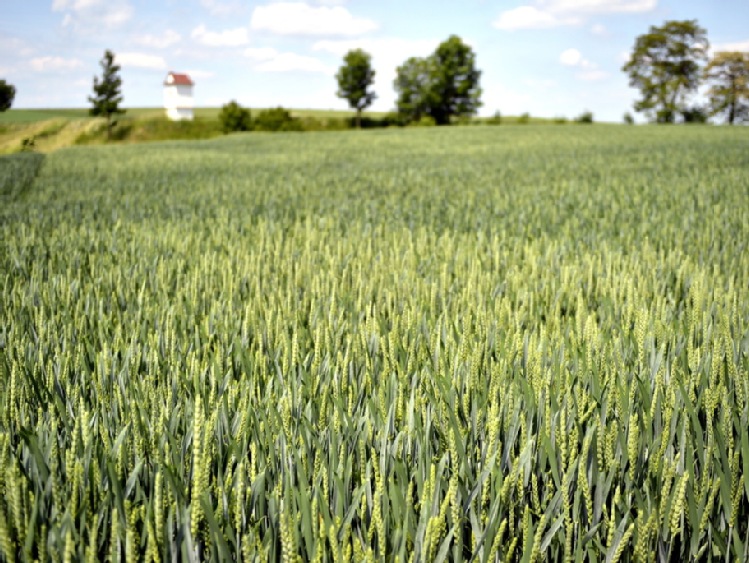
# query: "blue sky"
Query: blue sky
546,57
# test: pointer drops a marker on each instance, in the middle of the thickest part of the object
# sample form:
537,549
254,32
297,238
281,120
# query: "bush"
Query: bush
585,117
28,144
368,122
276,119
628,119
694,115
465,120
496,119
396,119
234,117
524,119
425,121
665,116
560,120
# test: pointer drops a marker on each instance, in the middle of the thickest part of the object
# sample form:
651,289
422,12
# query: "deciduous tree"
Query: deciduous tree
455,87
355,80
7,94
107,92
665,67
728,77
413,84
442,86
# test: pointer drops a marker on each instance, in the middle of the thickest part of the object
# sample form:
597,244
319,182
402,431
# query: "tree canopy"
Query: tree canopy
442,86
107,91
7,94
355,80
234,117
665,66
728,77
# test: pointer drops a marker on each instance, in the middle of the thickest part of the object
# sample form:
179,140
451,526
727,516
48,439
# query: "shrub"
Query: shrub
524,119
694,115
276,119
234,117
585,117
560,120
396,119
495,119
425,121
628,119
28,144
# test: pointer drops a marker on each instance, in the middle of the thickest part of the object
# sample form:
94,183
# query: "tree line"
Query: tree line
668,64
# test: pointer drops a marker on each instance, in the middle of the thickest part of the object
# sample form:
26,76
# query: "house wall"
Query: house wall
180,114
178,102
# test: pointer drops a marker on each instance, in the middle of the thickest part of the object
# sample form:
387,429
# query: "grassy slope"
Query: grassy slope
57,128
35,115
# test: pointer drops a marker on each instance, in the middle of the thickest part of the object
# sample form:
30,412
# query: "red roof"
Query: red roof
177,79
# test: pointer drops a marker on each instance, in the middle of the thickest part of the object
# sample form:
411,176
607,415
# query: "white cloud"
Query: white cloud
733,46
600,6
570,57
268,59
530,17
598,29
290,62
200,74
554,13
508,101
260,53
221,8
573,57
298,18
166,39
141,60
227,38
592,75
88,15
589,71
384,50
54,64
77,5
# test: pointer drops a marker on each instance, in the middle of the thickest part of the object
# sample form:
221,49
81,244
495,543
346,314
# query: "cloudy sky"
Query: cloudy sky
546,57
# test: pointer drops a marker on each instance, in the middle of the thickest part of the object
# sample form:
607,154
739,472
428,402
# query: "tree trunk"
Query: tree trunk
732,104
358,118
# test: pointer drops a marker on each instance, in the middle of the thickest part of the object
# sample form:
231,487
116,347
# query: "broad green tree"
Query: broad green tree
107,92
728,77
665,66
7,94
455,87
355,80
413,83
443,85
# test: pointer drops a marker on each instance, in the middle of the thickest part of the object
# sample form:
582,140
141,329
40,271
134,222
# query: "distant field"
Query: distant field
52,129
32,115
408,344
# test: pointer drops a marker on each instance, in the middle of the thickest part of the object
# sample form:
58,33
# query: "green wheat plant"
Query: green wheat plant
487,344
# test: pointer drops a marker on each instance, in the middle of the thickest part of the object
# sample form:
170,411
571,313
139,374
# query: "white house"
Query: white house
178,100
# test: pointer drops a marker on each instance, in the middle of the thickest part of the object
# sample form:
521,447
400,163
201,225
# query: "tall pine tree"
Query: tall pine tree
107,92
